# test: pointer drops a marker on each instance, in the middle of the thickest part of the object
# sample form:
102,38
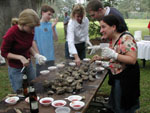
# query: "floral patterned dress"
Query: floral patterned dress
125,44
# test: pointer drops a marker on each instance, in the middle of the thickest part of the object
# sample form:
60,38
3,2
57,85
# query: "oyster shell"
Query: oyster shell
50,92
70,79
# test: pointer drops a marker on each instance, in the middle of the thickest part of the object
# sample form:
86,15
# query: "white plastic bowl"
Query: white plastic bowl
98,62
60,65
86,59
62,110
72,64
99,69
46,101
74,98
52,68
12,100
44,72
59,103
77,105
27,99
105,64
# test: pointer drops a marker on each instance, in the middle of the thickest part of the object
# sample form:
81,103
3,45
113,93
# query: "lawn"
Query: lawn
133,25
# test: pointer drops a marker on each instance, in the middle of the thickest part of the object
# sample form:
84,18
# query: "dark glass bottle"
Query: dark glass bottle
25,86
34,108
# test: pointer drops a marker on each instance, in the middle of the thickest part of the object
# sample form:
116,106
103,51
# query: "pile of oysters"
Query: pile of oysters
70,78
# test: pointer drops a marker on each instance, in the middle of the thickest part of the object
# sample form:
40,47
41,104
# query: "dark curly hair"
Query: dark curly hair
113,20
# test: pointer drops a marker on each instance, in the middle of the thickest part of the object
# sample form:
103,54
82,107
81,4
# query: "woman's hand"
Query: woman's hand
77,60
24,61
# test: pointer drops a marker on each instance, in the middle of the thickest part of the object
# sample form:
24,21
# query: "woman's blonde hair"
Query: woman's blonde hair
78,9
14,21
29,17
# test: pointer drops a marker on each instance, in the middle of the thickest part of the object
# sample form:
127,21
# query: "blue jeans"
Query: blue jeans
115,100
15,76
67,55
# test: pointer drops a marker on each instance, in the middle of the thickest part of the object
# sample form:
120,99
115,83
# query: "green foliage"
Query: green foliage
94,30
137,15
141,7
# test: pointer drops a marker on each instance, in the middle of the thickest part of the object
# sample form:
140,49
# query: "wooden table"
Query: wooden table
90,89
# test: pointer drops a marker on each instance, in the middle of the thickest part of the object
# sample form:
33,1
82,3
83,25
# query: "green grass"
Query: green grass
138,24
145,73
60,31
4,82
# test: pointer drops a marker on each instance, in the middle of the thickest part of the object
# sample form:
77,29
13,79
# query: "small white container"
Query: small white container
99,69
46,101
59,103
98,62
86,59
77,105
72,64
63,110
52,68
74,98
60,65
44,72
105,64
12,100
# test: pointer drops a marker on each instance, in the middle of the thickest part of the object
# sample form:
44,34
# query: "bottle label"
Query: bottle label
28,90
34,105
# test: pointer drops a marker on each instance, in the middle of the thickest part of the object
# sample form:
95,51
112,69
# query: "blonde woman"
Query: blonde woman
77,34
17,47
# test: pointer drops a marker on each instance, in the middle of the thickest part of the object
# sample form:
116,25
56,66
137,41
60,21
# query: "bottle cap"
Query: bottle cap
24,76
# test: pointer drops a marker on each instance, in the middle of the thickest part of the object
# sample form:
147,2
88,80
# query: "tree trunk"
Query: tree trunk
12,8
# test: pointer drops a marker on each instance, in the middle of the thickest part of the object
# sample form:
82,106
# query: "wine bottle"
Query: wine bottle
25,86
34,108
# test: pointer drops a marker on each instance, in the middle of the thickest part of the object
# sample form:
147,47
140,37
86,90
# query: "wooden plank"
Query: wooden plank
90,89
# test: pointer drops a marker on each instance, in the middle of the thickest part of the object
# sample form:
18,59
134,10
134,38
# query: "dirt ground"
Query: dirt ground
59,52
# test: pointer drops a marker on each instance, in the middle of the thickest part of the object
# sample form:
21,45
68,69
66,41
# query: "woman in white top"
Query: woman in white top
77,34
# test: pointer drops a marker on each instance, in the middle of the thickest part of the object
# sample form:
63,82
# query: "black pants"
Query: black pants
81,49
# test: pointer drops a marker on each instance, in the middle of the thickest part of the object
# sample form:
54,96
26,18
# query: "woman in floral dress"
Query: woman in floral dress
124,73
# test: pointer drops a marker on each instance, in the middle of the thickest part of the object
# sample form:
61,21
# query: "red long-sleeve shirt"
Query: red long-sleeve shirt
16,42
